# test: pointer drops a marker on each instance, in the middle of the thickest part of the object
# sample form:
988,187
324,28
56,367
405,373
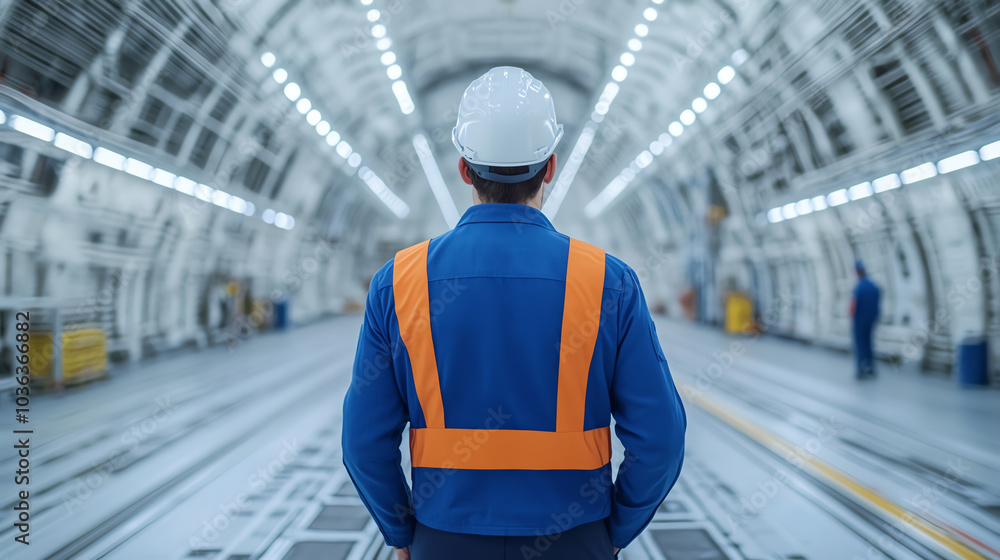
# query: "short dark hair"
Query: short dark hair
510,193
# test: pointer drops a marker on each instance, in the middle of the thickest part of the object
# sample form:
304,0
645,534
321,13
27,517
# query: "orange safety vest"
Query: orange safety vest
569,447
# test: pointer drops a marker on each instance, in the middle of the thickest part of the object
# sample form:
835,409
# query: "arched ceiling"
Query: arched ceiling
572,45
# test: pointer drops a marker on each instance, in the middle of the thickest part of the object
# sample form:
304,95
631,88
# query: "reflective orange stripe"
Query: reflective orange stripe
567,448
581,317
510,449
413,311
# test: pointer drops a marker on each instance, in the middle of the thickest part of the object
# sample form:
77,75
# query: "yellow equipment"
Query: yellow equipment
84,356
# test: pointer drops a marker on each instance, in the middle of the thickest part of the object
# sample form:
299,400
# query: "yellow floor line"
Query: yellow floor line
859,491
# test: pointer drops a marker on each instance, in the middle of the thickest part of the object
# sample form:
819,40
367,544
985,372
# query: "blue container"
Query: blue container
973,360
281,315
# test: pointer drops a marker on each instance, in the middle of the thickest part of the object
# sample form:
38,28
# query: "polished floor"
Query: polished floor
233,454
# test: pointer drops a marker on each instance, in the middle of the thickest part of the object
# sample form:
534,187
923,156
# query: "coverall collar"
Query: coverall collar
495,212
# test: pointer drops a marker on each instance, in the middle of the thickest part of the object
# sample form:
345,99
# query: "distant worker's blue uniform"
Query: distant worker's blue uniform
866,312
510,445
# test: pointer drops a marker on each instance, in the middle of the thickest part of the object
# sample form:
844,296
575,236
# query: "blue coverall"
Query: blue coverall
866,312
496,291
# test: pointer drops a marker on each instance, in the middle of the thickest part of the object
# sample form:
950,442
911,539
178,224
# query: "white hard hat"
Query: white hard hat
506,119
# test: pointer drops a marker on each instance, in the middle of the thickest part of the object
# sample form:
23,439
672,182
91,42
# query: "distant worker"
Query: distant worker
864,311
508,347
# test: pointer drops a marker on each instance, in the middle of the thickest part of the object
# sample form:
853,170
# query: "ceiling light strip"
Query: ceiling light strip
885,183
438,186
132,166
618,75
657,147
334,139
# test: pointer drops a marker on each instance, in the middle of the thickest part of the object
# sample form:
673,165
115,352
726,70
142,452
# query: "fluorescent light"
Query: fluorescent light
788,211
32,128
819,203
634,44
403,97
838,197
394,72
687,117
138,168
862,190
267,59
303,105
314,117
958,161
699,105
292,91
610,92
366,2
644,159
602,108
185,185
712,90
886,183
627,59
383,43
280,75
284,221
250,209
354,160
110,159
221,198
373,15
619,73
323,128
73,145
666,139
803,207
388,58
726,75
378,31
164,178
268,216
987,152
565,180
380,189
3,117
333,138
650,14
204,192
656,147
641,30
605,197
237,204
918,173
740,56
344,150
675,128
438,186
774,215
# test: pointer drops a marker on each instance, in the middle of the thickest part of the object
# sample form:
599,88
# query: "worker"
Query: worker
508,347
864,313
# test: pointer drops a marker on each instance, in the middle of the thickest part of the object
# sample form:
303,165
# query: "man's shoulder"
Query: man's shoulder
383,278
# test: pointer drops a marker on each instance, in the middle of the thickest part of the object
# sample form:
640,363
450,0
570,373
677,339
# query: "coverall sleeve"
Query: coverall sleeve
649,416
374,417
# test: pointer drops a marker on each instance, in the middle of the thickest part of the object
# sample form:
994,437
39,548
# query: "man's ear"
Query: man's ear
463,170
550,169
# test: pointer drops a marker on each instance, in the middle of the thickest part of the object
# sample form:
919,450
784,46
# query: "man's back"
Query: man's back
496,288
867,298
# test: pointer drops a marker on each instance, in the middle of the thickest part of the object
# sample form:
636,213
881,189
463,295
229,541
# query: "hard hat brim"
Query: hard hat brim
471,156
